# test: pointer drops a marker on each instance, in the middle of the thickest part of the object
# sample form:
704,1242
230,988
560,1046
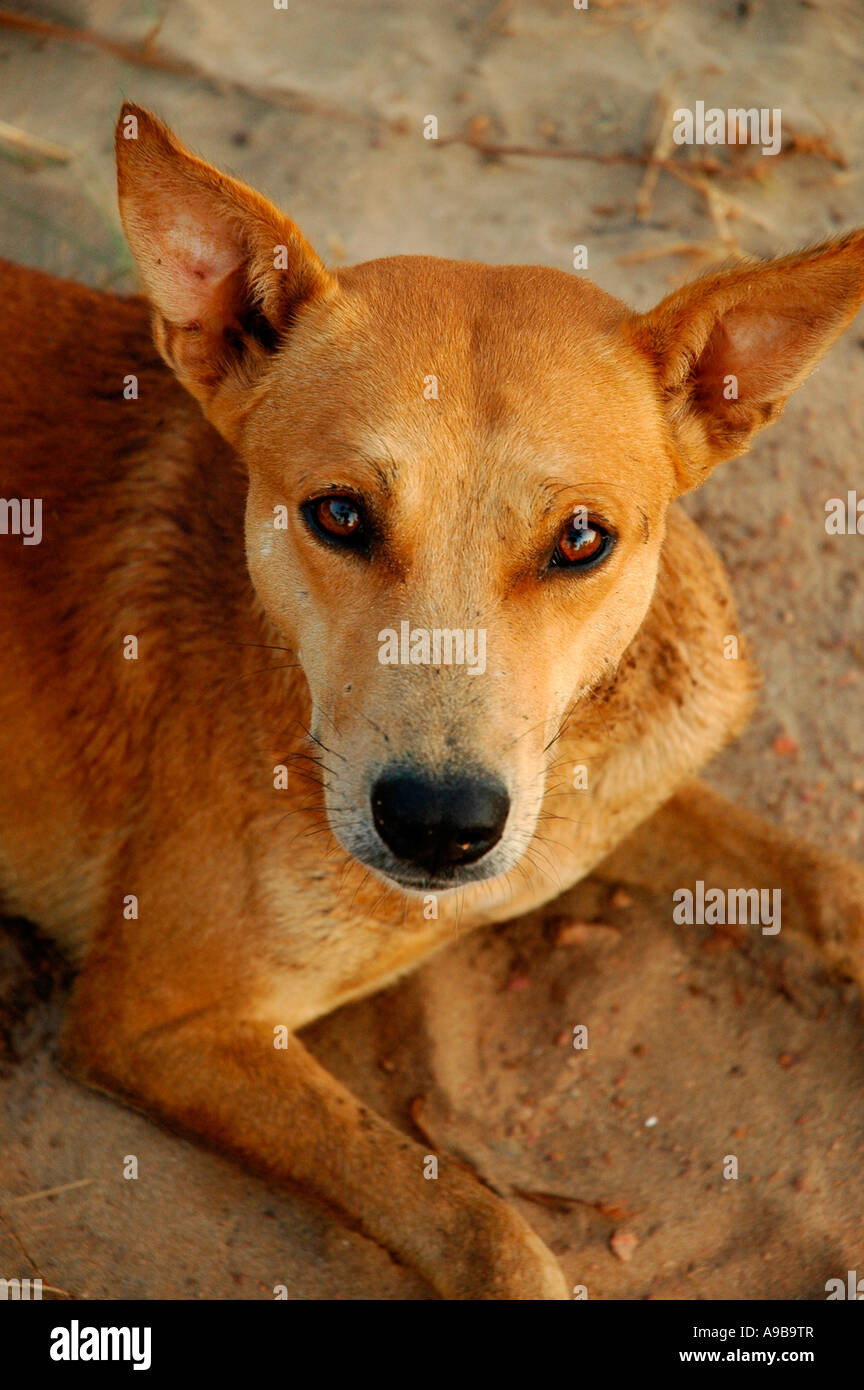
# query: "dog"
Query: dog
282,531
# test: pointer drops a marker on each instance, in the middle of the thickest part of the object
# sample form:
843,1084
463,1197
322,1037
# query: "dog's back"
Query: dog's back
96,434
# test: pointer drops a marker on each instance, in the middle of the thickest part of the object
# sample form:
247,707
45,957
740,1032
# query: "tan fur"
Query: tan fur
262,907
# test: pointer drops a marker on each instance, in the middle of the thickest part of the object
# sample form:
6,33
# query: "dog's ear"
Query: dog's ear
225,271
729,348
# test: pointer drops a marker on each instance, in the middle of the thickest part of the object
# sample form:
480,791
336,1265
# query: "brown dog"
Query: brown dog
434,460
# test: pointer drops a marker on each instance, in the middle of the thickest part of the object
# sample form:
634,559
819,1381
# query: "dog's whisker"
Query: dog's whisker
321,743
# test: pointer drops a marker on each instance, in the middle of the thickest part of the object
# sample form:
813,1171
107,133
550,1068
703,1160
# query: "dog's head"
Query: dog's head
458,480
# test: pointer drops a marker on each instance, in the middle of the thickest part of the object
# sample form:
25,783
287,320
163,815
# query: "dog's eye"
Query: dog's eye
338,519
581,545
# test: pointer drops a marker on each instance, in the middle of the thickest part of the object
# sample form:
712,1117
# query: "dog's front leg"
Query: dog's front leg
699,834
283,1115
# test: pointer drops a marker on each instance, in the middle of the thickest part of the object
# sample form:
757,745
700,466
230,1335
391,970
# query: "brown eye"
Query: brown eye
338,515
580,546
339,519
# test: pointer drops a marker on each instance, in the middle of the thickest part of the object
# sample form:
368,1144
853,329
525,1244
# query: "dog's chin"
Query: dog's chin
411,878
420,881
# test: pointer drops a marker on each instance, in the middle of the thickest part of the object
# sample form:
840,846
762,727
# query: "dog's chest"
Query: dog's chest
334,937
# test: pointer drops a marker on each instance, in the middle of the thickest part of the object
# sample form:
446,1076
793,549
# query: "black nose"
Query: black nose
439,822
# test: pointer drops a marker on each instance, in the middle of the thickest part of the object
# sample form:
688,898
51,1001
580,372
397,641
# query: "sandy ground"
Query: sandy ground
722,1048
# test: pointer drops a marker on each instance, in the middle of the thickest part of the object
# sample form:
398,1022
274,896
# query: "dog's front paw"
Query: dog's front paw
834,905
498,1256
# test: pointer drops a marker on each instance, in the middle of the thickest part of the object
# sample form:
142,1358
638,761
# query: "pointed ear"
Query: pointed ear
729,348
225,271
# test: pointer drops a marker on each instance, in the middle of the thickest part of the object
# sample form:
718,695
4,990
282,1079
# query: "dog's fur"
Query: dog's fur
260,905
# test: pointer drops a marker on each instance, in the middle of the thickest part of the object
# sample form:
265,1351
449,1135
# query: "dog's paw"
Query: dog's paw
498,1256
835,912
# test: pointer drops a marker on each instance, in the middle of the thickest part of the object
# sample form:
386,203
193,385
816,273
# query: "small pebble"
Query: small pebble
587,934
623,1244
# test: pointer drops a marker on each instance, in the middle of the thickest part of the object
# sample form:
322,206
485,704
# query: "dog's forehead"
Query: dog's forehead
486,325
507,378
460,333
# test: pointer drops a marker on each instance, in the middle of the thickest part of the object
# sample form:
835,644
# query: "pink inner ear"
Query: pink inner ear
763,349
188,256
200,264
